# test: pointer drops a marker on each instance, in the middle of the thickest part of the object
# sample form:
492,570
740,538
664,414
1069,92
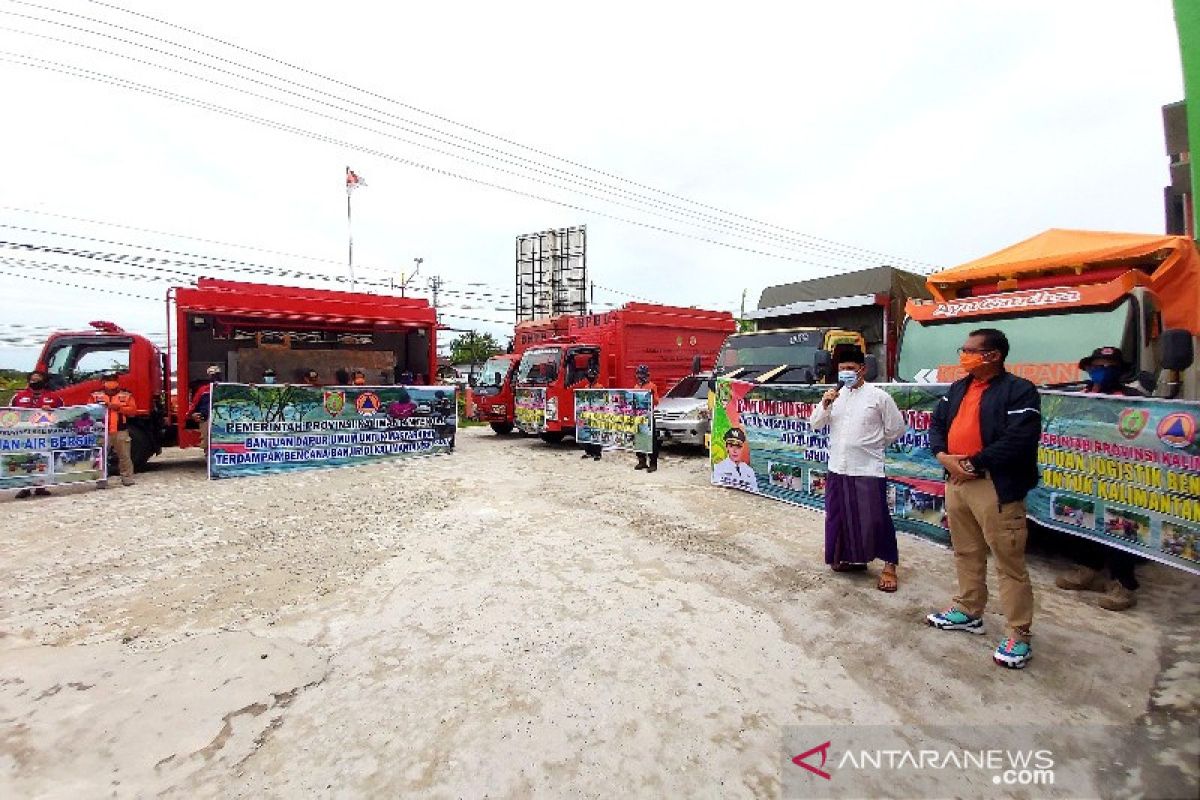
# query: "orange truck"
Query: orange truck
672,341
1060,295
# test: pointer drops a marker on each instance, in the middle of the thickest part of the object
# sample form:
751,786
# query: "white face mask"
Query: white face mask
268,379
848,377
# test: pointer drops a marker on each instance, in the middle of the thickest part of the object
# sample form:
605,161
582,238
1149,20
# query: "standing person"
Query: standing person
1105,368
120,406
311,378
359,378
201,405
591,380
644,384
341,377
862,420
985,433
268,376
35,395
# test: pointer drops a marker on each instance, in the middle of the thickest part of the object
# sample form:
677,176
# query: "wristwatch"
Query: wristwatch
966,465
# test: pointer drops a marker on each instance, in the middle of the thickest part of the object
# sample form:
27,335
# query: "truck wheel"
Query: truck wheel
141,447
502,428
553,437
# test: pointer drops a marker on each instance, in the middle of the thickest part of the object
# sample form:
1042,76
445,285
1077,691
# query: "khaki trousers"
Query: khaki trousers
119,442
204,436
978,524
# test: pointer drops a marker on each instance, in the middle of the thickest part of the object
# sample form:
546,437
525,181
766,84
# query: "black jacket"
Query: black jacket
1010,420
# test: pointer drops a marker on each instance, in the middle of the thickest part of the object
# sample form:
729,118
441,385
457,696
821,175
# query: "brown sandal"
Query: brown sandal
887,580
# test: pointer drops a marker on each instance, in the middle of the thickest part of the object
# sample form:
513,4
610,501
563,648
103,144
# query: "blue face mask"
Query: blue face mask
1104,376
268,378
848,377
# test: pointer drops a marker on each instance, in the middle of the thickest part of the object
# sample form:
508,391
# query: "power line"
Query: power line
705,223
455,123
73,71
21,276
831,248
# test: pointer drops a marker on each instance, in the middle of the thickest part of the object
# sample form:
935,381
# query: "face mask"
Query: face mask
268,378
36,385
970,361
1104,376
848,377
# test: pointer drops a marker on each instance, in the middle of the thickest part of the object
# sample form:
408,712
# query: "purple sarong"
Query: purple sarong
858,525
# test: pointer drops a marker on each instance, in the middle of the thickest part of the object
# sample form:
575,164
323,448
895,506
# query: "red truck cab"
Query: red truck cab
667,339
490,400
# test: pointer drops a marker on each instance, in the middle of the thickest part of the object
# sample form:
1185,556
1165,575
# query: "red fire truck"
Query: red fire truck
491,398
667,339
245,328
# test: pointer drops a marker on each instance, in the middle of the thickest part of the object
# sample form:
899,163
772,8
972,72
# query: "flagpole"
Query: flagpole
350,239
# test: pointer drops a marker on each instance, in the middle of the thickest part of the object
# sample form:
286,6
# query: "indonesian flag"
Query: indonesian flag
353,181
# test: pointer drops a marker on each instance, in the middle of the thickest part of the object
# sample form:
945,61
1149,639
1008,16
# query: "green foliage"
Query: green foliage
473,348
11,381
745,326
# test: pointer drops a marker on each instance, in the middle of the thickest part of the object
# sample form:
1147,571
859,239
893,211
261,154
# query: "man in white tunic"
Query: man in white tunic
862,420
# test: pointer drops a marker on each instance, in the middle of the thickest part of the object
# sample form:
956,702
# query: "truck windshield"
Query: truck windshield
1045,349
691,386
75,362
769,349
538,367
493,372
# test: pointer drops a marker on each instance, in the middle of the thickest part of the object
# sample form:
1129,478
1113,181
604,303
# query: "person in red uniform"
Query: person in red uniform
644,384
120,406
201,405
590,381
36,395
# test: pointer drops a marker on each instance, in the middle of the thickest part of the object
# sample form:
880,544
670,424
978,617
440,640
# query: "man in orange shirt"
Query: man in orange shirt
644,384
121,406
590,380
985,432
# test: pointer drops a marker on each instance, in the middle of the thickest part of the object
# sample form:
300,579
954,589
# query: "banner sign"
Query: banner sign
52,446
529,409
261,429
1122,471
618,419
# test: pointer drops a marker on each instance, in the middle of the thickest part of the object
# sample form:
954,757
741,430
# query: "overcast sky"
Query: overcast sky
934,132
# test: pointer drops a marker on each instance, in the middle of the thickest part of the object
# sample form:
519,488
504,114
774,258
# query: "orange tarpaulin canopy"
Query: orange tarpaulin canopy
1172,262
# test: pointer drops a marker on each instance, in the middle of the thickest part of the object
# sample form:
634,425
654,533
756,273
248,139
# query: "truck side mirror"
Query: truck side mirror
696,364
1176,351
872,367
822,362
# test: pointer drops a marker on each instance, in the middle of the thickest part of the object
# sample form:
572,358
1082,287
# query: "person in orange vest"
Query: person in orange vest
359,378
36,395
644,384
590,381
120,406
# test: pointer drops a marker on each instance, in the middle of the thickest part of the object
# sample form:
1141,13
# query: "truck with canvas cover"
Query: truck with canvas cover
1060,295
797,325
490,400
669,340
245,329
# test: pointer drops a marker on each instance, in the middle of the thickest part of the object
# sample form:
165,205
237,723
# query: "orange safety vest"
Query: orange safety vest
120,405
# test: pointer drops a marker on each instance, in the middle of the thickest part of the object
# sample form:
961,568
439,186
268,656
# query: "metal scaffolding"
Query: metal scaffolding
552,273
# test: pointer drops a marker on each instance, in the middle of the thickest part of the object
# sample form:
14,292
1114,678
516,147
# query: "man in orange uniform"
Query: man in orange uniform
985,433
591,380
644,384
121,406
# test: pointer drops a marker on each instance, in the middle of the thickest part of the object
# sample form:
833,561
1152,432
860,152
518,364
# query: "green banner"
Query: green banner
41,447
1122,471
262,429
529,410
618,419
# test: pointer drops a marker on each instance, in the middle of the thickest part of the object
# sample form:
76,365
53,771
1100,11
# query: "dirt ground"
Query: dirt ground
508,621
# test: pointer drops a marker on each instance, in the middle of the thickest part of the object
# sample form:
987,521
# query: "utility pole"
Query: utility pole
404,282
435,284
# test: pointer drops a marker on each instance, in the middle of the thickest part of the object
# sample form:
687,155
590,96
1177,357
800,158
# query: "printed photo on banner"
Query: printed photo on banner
42,447
275,428
1118,470
529,409
618,419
